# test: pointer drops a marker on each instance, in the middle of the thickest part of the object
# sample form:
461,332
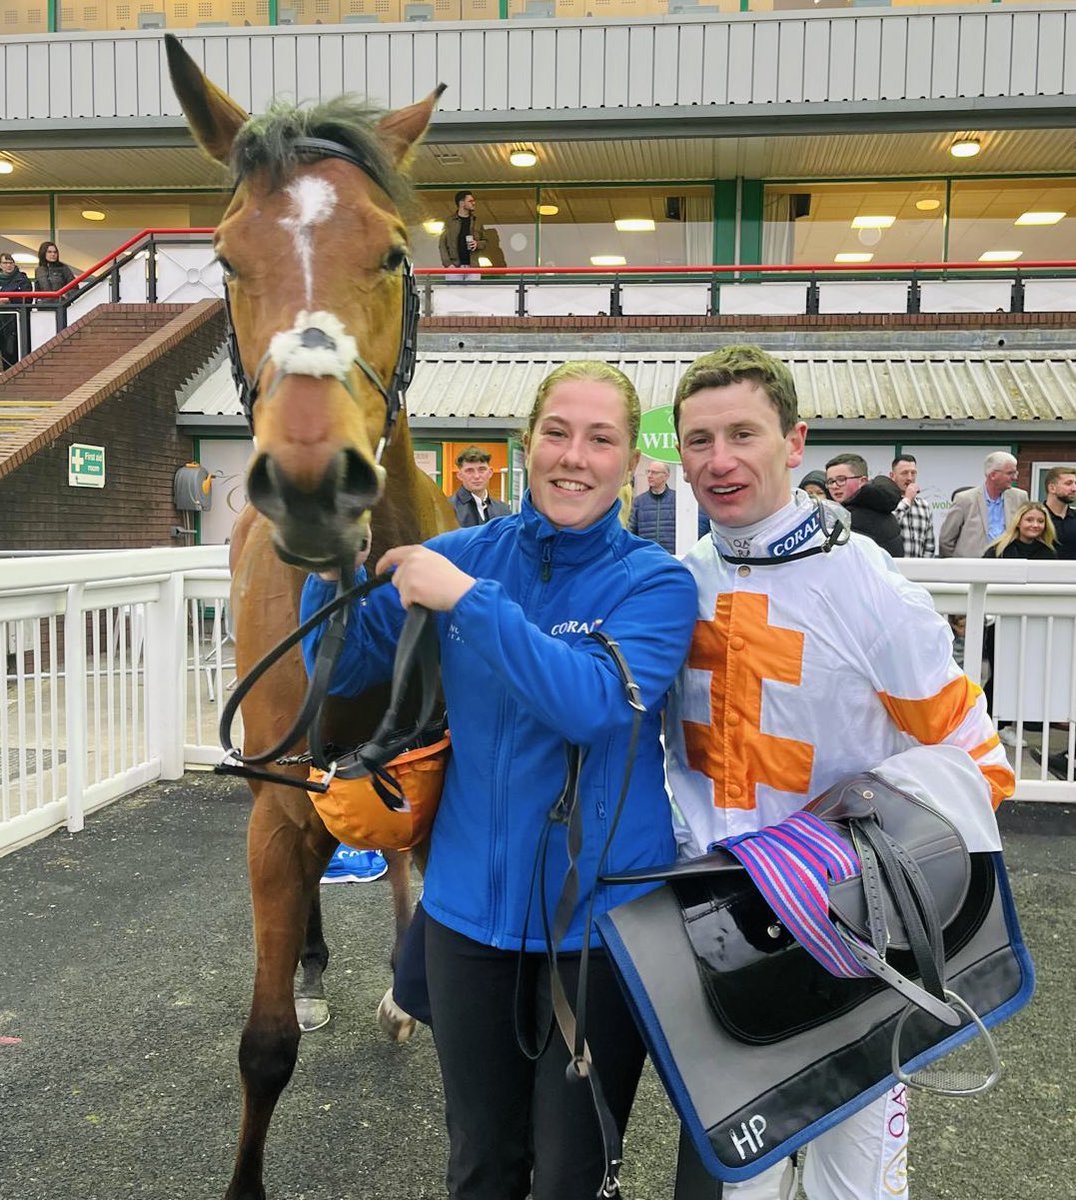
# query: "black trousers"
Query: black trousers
518,1127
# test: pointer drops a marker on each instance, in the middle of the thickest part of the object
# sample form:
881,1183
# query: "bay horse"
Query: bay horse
322,310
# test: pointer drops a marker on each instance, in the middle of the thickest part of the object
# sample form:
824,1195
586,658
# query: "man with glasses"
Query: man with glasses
981,514
653,512
472,501
870,502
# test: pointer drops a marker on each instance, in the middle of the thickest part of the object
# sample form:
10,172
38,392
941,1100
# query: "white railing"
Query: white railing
118,665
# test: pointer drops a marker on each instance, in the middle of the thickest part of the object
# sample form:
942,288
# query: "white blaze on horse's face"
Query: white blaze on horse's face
312,203
331,353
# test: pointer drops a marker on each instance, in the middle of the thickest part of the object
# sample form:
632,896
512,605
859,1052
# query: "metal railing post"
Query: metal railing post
1016,301
151,270
813,298
914,296
615,309
521,297
114,281
714,303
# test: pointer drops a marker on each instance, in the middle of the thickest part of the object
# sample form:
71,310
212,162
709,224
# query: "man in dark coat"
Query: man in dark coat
471,500
870,502
11,280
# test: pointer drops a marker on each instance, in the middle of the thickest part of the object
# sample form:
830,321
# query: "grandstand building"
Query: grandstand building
609,134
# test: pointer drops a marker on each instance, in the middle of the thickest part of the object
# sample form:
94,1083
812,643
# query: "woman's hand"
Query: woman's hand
423,576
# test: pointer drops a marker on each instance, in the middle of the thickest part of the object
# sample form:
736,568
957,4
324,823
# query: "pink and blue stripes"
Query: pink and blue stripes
792,865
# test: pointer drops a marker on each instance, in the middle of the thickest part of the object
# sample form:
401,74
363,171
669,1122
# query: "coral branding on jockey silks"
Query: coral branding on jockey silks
748,1141
795,538
575,627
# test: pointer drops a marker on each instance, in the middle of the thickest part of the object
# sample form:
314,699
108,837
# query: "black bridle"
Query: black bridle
391,393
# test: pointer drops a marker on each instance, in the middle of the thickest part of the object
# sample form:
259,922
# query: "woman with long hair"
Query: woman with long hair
516,600
1030,534
51,273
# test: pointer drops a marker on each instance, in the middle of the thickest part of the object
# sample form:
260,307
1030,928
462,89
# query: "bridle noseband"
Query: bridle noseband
392,393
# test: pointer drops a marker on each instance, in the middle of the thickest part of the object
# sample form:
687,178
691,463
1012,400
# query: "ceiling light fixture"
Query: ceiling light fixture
634,225
548,210
927,205
483,261
1000,255
872,222
92,214
524,157
6,167
434,228
965,148
607,260
1040,218
853,258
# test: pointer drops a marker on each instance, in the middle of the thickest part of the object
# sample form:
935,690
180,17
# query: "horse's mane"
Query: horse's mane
267,142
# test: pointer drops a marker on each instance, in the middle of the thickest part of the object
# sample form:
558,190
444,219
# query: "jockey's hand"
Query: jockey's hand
423,576
361,555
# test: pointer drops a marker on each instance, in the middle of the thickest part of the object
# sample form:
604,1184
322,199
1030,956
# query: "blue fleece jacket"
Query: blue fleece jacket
521,678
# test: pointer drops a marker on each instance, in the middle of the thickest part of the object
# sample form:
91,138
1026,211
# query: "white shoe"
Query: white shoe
1008,738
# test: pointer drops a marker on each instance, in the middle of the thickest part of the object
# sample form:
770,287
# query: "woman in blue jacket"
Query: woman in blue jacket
515,600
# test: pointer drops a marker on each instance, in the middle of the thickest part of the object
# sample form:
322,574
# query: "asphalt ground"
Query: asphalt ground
125,967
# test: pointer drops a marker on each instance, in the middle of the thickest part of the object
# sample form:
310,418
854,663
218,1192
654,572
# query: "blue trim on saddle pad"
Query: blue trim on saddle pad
650,1028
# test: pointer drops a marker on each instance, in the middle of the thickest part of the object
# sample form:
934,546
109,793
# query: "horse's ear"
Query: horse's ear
213,116
401,130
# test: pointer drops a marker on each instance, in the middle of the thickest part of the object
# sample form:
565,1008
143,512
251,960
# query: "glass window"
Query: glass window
1012,219
24,225
660,225
890,221
507,215
88,226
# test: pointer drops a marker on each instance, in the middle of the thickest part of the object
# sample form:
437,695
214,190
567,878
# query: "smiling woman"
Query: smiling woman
516,601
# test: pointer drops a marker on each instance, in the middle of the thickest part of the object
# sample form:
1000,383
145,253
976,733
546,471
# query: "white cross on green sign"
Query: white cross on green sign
86,466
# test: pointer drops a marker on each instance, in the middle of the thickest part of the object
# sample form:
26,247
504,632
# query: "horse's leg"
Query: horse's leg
311,1007
397,1024
287,848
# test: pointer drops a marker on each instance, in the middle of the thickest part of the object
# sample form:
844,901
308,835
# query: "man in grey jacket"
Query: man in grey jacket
980,514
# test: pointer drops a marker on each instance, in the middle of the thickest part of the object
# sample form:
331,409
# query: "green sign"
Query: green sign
657,436
86,466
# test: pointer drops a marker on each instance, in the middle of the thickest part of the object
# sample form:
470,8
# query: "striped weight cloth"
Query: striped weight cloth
792,864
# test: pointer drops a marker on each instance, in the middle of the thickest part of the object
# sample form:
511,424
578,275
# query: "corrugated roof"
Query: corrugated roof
852,386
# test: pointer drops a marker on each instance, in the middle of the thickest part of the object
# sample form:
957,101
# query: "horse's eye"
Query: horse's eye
393,260
226,268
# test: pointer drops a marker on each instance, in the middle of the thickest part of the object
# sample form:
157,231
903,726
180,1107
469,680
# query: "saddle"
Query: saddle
749,1031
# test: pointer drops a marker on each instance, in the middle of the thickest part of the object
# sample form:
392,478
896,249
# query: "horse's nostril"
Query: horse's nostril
359,484
262,490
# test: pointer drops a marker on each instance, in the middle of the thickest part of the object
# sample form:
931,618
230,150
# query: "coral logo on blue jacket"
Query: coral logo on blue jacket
795,538
575,627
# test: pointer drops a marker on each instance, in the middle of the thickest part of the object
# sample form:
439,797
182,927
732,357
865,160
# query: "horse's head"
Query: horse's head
318,286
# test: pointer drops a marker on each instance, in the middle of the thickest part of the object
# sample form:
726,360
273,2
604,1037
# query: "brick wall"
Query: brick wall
1049,452
136,424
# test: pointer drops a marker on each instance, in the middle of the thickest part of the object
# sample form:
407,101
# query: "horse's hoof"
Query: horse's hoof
312,1014
396,1024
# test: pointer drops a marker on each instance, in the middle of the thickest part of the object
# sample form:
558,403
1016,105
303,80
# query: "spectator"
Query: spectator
814,484
51,274
653,512
462,237
958,623
1060,486
913,515
471,500
1030,534
11,280
870,502
979,515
